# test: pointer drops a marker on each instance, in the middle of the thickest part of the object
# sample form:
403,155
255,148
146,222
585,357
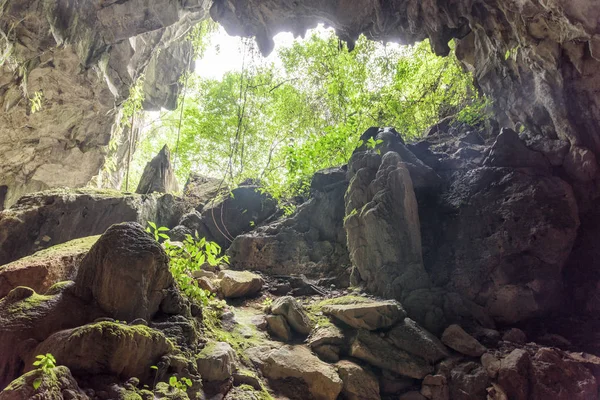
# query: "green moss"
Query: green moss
22,307
118,329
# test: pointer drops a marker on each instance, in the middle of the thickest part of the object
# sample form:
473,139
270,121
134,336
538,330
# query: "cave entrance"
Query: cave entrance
281,118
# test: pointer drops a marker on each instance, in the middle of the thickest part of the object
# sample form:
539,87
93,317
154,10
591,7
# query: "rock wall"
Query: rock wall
80,59
538,60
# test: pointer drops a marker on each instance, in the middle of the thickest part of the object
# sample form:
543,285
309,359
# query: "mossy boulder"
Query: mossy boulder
46,267
56,384
108,348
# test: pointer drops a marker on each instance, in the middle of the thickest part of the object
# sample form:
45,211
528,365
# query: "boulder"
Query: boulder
411,337
239,283
216,362
412,395
46,267
514,335
107,348
327,342
381,208
41,220
56,384
435,387
513,374
371,315
320,379
359,383
373,349
293,312
158,175
200,189
126,273
279,327
510,151
457,339
468,381
312,241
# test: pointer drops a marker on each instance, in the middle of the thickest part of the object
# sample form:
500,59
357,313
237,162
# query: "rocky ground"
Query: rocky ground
435,270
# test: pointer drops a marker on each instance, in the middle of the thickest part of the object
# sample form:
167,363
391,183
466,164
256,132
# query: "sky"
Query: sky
224,52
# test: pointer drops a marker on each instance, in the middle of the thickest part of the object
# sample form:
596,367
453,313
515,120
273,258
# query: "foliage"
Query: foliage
180,384
157,231
190,256
36,101
281,123
45,362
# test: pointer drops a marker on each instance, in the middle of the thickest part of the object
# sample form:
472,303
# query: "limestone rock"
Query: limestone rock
199,189
456,338
46,267
371,316
435,387
293,312
240,283
374,350
328,352
411,337
359,383
512,374
126,273
381,208
327,342
216,362
158,175
312,241
56,384
107,348
515,335
321,380
279,327
45,219
510,151
468,381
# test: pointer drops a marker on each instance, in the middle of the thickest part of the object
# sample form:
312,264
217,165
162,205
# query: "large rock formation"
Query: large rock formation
80,60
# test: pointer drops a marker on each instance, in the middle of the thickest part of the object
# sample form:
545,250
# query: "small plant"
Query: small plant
267,302
45,362
189,257
289,209
180,384
372,143
36,101
157,231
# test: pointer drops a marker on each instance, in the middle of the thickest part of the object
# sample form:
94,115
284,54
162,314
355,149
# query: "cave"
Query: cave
462,265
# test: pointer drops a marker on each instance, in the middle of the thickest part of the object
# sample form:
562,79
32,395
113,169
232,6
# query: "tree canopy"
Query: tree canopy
280,123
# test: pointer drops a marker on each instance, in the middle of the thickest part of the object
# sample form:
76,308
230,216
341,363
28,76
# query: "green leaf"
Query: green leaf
162,235
173,381
154,367
36,383
163,228
152,224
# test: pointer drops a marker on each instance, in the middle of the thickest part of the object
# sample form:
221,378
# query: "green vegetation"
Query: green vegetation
180,384
157,231
281,123
44,362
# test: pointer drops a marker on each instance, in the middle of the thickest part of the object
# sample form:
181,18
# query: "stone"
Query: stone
59,216
326,334
510,151
56,384
320,379
240,283
412,395
370,316
279,327
216,362
468,381
293,312
206,284
46,267
554,375
457,339
373,349
237,212
491,364
107,348
381,208
65,144
411,337
359,383
126,273
435,387
158,175
283,247
199,189
515,335
328,352
513,374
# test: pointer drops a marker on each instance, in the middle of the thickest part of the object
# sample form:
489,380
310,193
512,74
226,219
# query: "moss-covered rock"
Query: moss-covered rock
108,348
46,267
55,384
